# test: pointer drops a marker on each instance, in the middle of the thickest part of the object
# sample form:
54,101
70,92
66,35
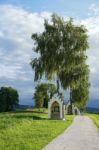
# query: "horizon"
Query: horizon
93,103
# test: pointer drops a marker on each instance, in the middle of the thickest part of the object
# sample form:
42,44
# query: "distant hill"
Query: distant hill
27,102
93,103
92,110
25,106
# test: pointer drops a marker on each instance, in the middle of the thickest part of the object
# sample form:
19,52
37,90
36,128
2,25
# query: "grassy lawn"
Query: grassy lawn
29,130
95,118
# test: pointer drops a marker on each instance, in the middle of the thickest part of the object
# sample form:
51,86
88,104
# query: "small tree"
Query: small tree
39,99
80,95
8,98
77,80
43,93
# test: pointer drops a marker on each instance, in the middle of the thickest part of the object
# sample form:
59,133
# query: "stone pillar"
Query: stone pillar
61,112
49,111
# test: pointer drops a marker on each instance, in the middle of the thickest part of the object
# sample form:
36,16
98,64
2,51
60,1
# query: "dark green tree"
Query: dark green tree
80,95
8,98
77,79
43,93
39,99
62,52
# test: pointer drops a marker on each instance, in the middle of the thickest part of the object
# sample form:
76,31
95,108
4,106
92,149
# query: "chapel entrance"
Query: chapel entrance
69,110
55,110
76,112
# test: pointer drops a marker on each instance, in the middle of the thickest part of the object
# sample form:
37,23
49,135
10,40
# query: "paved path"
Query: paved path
81,135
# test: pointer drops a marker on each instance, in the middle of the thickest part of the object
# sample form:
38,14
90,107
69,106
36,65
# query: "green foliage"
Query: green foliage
73,78
8,98
61,47
43,93
78,81
80,95
39,99
28,130
62,53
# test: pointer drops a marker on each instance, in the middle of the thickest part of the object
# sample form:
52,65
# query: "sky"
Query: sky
19,19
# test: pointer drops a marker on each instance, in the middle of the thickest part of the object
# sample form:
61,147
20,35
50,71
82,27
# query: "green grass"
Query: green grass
29,130
95,118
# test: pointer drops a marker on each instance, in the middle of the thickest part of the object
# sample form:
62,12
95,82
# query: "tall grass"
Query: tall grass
28,130
95,118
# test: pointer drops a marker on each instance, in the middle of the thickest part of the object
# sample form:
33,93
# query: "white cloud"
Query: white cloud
94,10
16,28
92,25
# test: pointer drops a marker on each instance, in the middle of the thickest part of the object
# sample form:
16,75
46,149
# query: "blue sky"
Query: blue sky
20,18
71,8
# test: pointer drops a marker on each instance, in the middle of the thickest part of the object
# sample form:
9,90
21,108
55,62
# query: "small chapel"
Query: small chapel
75,109
56,108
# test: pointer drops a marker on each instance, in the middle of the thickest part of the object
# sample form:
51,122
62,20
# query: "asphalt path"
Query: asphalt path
81,135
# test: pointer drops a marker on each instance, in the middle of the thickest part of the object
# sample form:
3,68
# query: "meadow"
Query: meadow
29,130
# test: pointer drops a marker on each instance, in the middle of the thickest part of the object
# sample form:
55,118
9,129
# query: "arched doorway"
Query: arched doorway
76,111
69,110
55,110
